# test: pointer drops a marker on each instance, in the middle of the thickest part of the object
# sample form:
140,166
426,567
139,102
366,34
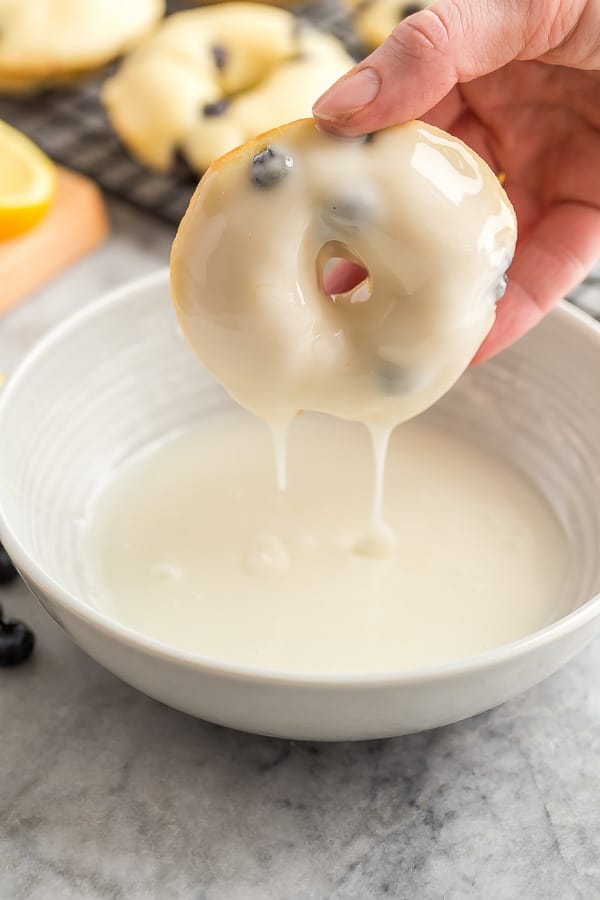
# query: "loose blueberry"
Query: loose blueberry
409,10
216,109
16,641
219,54
269,166
7,570
499,288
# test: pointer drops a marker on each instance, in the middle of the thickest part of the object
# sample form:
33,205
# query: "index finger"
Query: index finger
425,56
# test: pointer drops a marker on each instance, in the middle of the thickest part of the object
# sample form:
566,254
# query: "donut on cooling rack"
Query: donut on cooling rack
48,42
212,77
374,20
424,218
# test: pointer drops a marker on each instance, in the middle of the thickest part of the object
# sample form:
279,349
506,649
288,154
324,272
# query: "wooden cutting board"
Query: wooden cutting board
75,224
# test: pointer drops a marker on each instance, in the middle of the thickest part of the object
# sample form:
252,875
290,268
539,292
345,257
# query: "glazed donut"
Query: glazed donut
211,78
44,42
374,20
413,206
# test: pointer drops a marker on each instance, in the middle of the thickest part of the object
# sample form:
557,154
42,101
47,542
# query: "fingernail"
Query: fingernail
347,96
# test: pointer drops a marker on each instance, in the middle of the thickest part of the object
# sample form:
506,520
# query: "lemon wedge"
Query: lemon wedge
27,182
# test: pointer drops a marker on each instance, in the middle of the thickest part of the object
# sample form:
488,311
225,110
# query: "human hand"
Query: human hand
520,83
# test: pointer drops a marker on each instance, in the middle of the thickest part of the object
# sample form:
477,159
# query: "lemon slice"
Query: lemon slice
27,182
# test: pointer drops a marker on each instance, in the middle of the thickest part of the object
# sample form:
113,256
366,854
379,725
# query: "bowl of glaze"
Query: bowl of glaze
118,375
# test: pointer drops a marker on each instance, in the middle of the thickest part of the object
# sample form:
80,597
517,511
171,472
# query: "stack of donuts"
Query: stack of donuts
195,84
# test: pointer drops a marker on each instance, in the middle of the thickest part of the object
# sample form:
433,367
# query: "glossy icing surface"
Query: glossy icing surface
421,212
192,543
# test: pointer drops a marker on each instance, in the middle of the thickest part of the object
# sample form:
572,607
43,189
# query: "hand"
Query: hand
520,83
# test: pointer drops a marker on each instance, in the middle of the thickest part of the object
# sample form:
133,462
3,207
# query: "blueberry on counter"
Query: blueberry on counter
269,166
7,570
16,641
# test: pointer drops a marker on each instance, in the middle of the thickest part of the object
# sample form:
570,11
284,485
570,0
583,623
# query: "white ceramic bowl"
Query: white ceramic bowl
118,375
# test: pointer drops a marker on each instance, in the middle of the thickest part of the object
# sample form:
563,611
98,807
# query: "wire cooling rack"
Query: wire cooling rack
72,127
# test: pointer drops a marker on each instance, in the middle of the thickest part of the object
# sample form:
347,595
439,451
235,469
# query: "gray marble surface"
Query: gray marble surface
105,793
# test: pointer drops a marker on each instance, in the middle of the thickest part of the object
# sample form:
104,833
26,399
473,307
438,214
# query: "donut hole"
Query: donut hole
342,274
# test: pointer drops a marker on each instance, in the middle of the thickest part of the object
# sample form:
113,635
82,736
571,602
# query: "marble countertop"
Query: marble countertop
105,793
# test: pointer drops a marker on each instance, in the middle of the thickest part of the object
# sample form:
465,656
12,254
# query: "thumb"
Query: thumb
421,61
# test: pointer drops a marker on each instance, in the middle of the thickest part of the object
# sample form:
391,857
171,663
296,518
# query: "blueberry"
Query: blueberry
216,109
398,381
393,379
499,288
219,54
7,570
351,212
269,166
409,10
16,641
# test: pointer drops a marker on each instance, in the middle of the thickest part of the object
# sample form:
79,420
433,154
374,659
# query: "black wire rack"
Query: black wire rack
73,129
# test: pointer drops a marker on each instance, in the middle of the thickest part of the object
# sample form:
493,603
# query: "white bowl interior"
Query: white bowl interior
120,376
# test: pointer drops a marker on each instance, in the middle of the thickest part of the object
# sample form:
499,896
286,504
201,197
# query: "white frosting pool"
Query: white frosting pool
193,544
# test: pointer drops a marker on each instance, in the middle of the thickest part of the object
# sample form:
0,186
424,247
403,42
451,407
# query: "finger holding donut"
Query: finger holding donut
518,82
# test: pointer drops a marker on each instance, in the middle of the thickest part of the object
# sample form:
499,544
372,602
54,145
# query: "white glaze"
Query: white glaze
427,217
424,215
194,545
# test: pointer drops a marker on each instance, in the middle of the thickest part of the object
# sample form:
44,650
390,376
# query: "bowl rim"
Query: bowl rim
111,628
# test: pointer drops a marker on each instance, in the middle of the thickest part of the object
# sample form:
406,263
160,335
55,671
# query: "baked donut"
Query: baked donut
374,20
415,208
211,78
46,42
